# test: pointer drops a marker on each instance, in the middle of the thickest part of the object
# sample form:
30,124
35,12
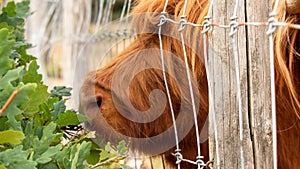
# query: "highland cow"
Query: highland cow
114,113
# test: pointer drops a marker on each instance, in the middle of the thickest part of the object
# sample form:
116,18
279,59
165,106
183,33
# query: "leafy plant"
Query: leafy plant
36,129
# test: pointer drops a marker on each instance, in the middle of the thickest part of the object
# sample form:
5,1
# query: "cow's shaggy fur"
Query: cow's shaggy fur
106,119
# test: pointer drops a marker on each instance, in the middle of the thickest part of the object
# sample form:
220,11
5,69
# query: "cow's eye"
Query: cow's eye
99,102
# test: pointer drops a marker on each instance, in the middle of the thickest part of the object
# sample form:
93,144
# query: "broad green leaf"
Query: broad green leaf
22,55
47,139
47,156
32,76
13,21
59,107
79,153
11,75
22,9
6,46
13,111
11,137
62,157
10,9
8,27
67,118
104,155
16,158
82,118
37,98
2,167
94,157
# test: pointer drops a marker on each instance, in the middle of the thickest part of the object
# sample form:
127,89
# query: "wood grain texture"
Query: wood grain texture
259,83
223,75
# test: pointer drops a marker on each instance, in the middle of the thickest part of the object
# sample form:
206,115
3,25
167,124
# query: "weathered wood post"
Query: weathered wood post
253,51
259,84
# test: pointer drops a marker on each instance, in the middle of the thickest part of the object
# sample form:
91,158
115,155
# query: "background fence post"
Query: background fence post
76,20
76,23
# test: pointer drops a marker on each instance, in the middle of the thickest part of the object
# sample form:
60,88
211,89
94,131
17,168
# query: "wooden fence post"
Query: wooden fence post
259,84
253,52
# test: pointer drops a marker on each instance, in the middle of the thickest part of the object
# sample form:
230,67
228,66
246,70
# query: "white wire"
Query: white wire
167,89
127,14
183,21
122,14
272,28
211,100
235,8
165,6
168,92
206,28
209,14
273,95
101,3
274,11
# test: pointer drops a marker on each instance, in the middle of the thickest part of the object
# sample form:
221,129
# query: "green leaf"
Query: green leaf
94,157
79,153
62,156
2,167
47,139
60,91
104,155
21,53
6,46
12,21
82,118
32,76
10,76
121,148
23,9
47,155
67,118
8,27
11,136
13,111
3,120
10,9
16,158
37,98
59,107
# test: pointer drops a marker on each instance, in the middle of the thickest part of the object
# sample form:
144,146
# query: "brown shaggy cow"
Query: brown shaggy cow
111,114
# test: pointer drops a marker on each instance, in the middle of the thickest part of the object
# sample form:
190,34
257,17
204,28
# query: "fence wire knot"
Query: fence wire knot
206,24
200,162
233,25
272,24
125,33
182,23
178,156
162,19
119,33
110,35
